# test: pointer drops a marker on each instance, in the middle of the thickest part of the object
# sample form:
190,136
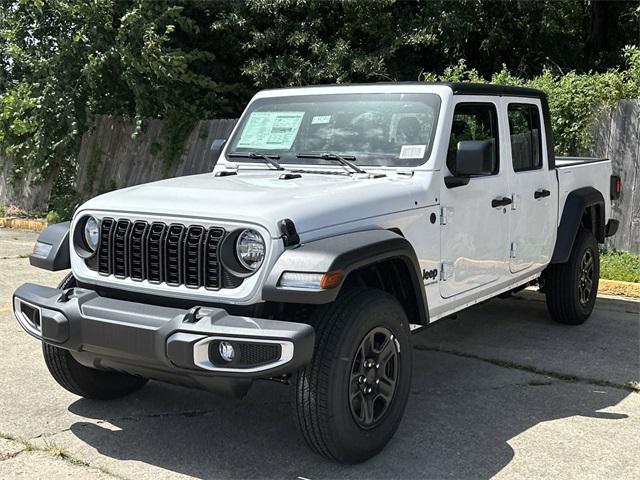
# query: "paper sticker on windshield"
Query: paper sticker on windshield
412,151
270,130
319,119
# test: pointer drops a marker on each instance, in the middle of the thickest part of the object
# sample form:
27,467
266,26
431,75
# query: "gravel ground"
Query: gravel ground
499,391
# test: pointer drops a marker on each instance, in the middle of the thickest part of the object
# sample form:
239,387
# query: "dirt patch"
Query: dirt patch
615,287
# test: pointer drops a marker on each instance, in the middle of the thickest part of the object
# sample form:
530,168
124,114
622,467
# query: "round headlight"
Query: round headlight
250,249
91,233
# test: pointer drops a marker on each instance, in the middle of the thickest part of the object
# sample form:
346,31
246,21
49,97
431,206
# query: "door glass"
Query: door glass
473,121
524,132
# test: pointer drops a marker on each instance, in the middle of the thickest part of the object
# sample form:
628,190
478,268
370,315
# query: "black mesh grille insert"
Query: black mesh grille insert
136,252
251,354
120,248
104,251
173,254
212,262
173,248
155,252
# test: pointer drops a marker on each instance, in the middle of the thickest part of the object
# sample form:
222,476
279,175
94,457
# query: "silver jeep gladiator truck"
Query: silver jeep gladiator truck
336,219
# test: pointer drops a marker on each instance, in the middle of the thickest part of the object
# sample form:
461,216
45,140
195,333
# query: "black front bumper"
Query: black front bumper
163,343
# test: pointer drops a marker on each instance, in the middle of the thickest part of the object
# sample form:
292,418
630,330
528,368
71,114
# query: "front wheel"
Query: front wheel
351,398
571,287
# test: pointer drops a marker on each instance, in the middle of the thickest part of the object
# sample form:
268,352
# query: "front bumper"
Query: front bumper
163,343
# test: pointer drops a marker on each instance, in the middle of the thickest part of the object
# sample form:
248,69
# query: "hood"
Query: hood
313,201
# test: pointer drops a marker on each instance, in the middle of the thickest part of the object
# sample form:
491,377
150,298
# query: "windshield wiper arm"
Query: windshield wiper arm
270,159
345,161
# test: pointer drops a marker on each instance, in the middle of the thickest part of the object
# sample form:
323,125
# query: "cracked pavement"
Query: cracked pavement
499,391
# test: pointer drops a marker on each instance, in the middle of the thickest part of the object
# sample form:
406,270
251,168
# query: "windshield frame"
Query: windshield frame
431,99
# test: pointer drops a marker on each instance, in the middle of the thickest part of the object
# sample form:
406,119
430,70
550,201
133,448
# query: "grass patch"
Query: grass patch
617,265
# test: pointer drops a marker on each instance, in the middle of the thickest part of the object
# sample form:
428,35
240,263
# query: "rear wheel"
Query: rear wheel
84,381
351,398
571,287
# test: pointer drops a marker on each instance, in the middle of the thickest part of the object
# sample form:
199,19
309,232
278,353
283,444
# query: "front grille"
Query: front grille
174,254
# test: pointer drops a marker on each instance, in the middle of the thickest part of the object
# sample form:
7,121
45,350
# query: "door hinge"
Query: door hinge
513,251
446,213
446,271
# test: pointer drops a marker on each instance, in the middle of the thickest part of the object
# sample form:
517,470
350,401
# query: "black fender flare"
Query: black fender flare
347,253
575,206
56,258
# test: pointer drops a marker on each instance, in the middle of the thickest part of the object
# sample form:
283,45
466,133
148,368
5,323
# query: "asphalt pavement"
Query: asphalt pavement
500,391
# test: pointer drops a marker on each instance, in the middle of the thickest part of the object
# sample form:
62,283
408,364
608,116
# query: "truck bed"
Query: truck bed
579,172
562,162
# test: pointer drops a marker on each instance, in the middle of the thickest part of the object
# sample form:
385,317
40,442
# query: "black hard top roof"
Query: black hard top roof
459,88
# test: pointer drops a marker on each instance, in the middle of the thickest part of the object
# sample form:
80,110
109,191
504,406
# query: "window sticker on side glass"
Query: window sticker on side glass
270,130
412,151
319,119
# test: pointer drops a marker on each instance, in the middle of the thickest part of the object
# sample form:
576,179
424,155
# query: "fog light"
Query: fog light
226,351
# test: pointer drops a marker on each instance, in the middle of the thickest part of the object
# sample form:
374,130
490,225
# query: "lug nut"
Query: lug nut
361,379
369,390
377,381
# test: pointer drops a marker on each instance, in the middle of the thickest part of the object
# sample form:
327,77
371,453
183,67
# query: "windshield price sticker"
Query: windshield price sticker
270,130
412,151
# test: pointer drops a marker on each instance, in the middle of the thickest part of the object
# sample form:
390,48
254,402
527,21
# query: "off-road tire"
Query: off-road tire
564,282
324,408
83,381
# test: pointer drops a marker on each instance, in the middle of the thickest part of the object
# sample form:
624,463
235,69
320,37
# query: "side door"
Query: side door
533,187
474,230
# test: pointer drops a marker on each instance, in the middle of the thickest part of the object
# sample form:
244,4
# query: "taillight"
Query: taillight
616,187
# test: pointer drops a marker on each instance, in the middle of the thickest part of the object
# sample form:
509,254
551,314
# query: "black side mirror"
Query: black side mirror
473,158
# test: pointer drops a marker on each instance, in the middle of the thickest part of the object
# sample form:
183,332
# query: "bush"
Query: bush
574,98
623,266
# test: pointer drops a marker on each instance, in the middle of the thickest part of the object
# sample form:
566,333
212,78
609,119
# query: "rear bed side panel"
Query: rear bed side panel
573,176
583,183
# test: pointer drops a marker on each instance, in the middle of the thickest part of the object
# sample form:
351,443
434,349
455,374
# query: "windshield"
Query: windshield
377,129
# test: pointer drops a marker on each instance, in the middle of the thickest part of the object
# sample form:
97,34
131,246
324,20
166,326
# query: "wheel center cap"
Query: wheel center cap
371,375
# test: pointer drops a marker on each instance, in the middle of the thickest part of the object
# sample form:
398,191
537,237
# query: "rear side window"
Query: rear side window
526,141
473,121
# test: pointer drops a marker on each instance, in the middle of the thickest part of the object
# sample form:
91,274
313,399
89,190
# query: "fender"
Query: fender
52,248
347,253
577,203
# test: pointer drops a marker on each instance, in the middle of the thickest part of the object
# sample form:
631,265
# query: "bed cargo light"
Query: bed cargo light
311,281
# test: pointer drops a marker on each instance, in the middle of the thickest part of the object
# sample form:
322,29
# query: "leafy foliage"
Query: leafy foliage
616,265
574,98
64,61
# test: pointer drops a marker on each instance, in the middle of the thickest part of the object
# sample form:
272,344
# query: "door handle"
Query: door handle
501,202
541,193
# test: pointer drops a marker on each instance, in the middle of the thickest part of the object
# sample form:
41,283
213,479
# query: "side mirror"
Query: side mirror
475,157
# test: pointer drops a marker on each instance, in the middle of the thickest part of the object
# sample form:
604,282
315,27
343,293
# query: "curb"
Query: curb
616,287
23,223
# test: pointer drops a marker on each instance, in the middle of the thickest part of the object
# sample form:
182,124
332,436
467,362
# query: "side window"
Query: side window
473,121
526,141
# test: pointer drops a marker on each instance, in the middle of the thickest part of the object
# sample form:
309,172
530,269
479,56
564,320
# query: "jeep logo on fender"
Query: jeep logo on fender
429,276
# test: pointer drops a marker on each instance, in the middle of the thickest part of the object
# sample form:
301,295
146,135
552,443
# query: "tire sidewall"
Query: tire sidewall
586,241
359,443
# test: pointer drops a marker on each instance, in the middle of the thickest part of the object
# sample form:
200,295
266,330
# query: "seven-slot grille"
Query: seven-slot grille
174,254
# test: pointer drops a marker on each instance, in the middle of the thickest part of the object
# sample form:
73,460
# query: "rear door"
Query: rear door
474,233
533,186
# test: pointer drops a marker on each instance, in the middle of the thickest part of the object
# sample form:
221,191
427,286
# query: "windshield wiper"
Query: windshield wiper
345,161
270,159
